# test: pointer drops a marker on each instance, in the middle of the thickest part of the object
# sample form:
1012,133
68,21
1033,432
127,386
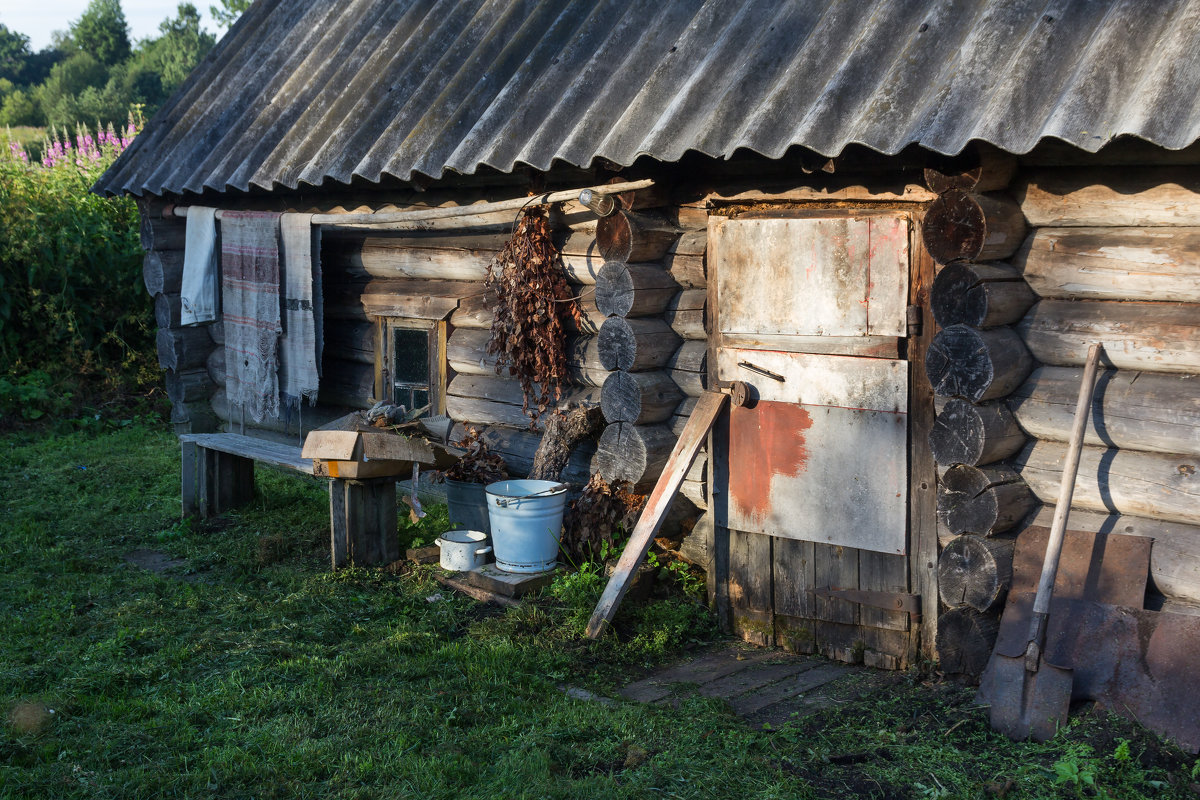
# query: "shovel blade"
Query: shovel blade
1026,704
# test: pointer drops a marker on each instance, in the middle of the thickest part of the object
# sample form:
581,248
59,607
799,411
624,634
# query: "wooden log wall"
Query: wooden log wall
1110,256
183,353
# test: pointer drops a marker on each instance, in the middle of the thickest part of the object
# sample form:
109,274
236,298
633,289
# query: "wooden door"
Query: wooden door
811,479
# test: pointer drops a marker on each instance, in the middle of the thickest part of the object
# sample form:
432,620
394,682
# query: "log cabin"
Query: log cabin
901,224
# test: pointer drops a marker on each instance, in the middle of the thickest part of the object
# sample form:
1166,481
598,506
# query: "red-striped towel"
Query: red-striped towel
250,310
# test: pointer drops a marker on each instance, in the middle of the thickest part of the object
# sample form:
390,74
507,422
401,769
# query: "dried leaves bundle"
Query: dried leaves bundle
478,464
533,303
599,520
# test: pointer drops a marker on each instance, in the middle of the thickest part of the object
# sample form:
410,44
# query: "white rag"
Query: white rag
300,347
198,298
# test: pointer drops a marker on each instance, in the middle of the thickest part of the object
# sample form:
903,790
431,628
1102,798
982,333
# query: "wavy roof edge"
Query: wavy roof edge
312,93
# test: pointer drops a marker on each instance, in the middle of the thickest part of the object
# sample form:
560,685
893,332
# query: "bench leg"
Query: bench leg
362,522
223,481
191,490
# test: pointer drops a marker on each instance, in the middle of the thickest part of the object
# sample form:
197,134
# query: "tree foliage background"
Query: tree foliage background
93,74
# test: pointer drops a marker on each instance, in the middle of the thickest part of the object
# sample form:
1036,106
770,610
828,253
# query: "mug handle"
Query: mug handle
483,551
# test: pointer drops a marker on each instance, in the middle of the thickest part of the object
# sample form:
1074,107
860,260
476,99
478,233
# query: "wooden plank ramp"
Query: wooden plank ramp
764,686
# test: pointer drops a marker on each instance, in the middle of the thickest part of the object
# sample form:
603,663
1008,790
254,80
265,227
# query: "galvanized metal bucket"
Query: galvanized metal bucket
526,519
467,505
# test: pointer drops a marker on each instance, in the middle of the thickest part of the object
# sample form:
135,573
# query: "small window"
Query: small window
412,358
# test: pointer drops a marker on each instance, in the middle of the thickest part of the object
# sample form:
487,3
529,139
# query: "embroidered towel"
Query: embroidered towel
198,298
250,310
300,348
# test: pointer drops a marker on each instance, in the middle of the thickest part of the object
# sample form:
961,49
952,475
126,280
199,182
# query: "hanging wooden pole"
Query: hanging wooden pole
422,215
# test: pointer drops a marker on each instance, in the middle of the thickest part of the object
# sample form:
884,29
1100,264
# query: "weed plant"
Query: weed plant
244,668
75,321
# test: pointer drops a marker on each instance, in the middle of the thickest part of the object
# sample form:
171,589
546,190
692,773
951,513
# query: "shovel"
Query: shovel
1029,696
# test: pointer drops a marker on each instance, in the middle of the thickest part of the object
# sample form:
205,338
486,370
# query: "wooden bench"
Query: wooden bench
218,475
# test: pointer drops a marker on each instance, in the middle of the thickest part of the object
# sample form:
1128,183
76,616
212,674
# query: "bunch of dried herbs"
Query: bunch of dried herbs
478,464
599,520
532,305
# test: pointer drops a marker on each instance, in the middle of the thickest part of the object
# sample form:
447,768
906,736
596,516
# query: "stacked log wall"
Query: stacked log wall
1109,256
183,353
1112,256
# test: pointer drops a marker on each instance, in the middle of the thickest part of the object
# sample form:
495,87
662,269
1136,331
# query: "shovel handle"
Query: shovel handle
1066,489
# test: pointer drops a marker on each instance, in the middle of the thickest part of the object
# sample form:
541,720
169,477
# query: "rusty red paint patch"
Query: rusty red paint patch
764,441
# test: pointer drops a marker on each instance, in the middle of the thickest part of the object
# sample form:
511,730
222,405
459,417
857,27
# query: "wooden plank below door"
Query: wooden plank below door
750,591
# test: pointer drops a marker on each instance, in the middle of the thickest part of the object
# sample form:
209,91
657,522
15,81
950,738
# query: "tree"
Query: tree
103,32
58,95
228,11
180,48
20,108
14,49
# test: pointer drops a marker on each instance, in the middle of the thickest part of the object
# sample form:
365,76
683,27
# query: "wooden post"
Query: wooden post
363,522
224,481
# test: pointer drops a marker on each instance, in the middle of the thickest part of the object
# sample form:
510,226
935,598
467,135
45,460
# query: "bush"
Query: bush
71,302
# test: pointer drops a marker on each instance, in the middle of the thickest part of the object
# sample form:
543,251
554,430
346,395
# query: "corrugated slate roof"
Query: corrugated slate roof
310,91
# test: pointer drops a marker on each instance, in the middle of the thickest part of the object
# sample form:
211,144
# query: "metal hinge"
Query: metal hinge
915,318
892,601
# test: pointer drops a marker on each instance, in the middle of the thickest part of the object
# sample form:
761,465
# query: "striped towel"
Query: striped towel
250,305
300,348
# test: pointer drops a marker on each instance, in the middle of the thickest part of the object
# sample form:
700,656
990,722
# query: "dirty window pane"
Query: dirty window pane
411,356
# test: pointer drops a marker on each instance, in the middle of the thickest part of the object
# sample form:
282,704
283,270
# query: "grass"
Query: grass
251,671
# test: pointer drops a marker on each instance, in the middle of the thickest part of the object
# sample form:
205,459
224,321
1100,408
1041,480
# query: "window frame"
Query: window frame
385,338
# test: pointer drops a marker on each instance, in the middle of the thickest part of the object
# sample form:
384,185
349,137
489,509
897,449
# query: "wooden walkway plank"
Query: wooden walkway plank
814,676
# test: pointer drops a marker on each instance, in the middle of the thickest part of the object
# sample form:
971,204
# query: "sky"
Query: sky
37,21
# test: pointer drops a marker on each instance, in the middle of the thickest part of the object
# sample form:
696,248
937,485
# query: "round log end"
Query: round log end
614,289
617,344
614,237
956,297
958,364
974,572
954,227
965,638
962,171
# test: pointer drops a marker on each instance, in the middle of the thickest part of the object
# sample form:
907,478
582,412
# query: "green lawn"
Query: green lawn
251,671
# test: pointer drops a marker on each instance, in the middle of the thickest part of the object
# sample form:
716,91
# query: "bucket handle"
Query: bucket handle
503,502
